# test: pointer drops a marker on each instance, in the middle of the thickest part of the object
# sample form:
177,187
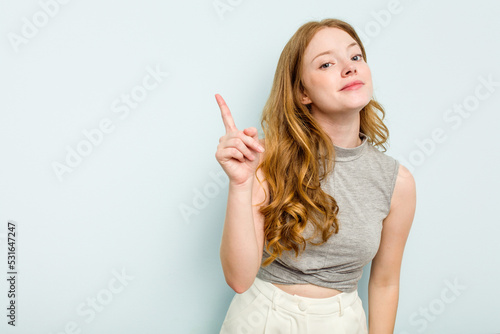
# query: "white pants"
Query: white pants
266,309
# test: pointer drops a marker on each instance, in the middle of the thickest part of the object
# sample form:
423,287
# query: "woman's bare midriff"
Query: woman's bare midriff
308,290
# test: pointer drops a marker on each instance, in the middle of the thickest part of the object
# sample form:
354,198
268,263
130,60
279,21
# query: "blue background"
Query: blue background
126,239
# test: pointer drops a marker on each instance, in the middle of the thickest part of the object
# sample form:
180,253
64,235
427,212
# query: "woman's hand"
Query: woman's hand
238,151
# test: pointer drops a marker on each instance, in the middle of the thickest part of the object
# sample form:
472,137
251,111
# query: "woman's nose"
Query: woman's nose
349,69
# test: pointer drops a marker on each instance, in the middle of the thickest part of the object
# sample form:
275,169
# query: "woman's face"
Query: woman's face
330,62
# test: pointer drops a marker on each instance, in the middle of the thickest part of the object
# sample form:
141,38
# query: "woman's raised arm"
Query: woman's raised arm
239,154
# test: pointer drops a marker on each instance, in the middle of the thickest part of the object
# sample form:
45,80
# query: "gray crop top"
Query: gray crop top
362,183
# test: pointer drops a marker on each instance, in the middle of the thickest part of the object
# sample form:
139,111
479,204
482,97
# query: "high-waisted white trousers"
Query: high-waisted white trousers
266,309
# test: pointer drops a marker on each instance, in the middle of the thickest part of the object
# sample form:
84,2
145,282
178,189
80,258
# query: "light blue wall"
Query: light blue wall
123,236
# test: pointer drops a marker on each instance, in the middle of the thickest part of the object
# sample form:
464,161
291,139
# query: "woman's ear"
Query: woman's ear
304,98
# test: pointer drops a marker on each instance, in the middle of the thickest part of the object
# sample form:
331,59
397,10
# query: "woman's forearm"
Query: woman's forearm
239,248
382,308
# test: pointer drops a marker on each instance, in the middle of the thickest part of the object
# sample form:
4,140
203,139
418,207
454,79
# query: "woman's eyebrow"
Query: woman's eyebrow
330,51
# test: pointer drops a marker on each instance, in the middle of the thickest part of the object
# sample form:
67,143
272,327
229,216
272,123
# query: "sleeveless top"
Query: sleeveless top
362,183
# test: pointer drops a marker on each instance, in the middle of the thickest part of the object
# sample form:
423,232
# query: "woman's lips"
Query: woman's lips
353,85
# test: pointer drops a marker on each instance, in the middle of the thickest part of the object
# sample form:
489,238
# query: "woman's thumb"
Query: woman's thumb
251,131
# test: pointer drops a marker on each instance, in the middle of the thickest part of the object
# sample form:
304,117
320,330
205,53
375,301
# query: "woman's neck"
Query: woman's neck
343,131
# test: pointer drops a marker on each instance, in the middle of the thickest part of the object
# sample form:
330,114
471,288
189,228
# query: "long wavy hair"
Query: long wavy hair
296,148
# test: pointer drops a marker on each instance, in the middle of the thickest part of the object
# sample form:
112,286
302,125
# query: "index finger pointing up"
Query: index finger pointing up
226,114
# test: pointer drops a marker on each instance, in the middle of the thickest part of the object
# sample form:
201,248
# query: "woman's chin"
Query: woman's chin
358,103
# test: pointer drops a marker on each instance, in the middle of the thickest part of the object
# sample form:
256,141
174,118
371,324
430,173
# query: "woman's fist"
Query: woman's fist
238,151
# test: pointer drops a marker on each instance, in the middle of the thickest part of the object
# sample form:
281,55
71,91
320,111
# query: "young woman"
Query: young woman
305,215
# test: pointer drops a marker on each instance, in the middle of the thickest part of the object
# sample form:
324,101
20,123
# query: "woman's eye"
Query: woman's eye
325,65
359,55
